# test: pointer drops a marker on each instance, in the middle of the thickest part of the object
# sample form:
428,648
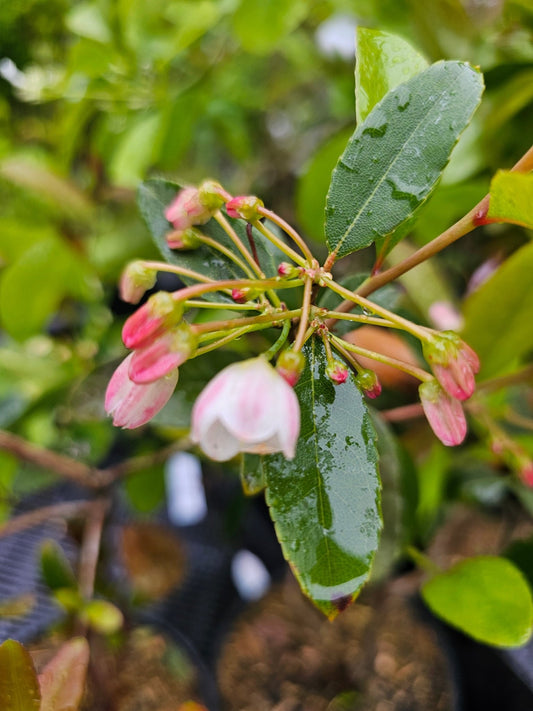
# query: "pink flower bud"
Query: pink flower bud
151,319
212,195
135,280
454,364
290,365
337,371
184,239
187,210
239,296
245,206
132,405
526,473
444,413
287,269
162,355
247,407
368,382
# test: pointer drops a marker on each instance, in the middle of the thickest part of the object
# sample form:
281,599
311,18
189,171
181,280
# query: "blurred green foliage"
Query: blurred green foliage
97,95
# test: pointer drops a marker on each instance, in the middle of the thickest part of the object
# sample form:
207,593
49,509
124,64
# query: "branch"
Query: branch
66,509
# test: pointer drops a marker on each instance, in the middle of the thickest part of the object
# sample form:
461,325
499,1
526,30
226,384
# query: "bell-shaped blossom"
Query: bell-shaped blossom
187,209
247,407
151,319
132,405
162,355
453,363
444,413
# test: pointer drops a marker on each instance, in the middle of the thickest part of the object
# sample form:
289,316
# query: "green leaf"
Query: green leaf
395,158
261,25
486,597
154,196
19,687
55,568
498,313
134,151
63,679
511,198
102,616
383,62
325,503
314,183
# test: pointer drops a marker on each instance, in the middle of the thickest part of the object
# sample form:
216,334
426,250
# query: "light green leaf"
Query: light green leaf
261,25
382,62
486,597
134,152
325,503
102,616
498,314
511,198
86,20
394,159
19,687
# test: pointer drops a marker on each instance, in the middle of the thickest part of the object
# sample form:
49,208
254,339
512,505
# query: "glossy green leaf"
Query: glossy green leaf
486,597
155,195
511,198
63,679
325,503
383,62
314,183
19,687
395,158
498,314
261,25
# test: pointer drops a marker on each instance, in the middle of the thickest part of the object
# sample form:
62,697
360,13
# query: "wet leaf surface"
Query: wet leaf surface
19,687
325,503
395,158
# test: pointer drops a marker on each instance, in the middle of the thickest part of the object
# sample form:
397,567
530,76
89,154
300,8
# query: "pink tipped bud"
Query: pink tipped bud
151,319
132,405
136,279
184,239
246,207
290,365
369,383
187,210
444,413
454,364
241,296
212,195
247,407
286,269
163,355
337,371
526,474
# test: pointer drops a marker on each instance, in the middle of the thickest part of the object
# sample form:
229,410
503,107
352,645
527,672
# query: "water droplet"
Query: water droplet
376,131
403,98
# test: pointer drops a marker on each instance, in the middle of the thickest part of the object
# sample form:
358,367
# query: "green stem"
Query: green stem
289,230
237,333
201,328
194,304
380,358
228,229
360,318
229,254
422,561
280,244
348,357
174,269
418,331
275,347
304,318
199,289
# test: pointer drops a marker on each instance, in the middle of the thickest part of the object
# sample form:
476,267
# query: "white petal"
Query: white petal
218,443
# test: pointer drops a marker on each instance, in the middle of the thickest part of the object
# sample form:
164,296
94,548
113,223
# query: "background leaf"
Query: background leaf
511,198
325,503
260,25
394,159
496,314
63,679
382,62
487,597
19,687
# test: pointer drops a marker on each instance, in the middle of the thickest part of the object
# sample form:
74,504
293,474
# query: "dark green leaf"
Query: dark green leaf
325,503
19,687
496,314
383,62
395,158
55,568
486,597
156,194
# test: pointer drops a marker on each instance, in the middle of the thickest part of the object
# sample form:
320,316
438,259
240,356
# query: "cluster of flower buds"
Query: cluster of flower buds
454,365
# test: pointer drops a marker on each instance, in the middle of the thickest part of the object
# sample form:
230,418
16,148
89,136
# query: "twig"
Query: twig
66,509
90,547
